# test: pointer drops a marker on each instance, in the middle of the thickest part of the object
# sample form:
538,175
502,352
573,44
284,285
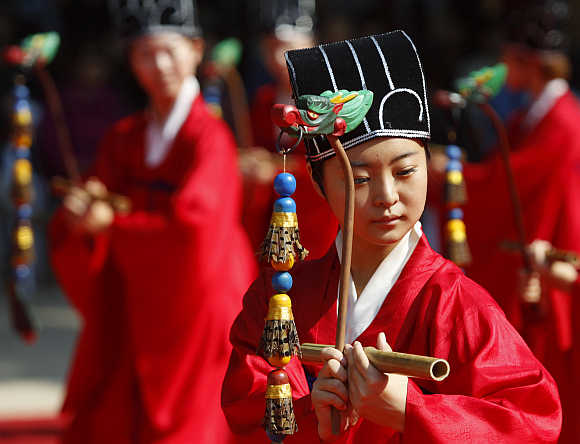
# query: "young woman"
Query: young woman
402,293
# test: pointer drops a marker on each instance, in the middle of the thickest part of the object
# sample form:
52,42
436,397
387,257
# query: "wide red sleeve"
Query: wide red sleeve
245,382
497,391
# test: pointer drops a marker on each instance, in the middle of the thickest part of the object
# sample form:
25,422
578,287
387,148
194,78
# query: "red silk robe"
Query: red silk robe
546,168
496,392
157,292
318,226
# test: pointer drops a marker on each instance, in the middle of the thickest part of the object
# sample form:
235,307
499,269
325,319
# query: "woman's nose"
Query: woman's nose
386,194
162,61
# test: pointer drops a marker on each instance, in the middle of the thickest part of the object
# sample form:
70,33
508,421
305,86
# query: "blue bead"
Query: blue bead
285,205
22,272
453,152
274,437
282,281
285,184
24,211
22,154
456,213
21,91
22,104
454,165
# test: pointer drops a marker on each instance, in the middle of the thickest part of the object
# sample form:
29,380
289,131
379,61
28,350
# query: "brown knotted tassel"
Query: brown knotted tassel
283,239
279,340
279,416
455,191
457,247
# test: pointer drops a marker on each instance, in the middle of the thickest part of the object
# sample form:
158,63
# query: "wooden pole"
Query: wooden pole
514,197
347,233
64,140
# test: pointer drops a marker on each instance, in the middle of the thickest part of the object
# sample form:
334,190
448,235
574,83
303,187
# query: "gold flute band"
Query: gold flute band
283,219
283,391
279,314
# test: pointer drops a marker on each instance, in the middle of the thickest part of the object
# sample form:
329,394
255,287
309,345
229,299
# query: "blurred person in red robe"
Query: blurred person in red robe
286,25
157,288
545,160
401,292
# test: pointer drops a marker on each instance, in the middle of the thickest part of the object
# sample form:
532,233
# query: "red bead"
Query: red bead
278,377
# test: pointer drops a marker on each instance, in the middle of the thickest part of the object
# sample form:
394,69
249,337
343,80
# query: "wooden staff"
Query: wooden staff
56,109
514,196
347,232
415,366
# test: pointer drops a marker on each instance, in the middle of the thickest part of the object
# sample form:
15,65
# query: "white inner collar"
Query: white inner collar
362,311
553,90
160,135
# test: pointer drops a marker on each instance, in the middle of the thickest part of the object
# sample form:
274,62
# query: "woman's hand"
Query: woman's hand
377,397
558,274
330,390
86,209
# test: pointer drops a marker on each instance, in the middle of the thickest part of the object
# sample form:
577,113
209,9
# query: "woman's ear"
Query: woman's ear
198,47
315,184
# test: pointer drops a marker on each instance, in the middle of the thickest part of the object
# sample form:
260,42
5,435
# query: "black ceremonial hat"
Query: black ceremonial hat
540,25
137,17
386,64
285,18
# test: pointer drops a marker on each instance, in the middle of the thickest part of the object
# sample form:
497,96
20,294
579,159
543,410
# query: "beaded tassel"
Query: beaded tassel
283,239
279,419
455,196
455,193
22,257
279,342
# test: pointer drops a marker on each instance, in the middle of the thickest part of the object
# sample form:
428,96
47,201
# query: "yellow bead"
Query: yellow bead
23,117
280,300
455,225
279,361
454,177
280,308
24,237
457,236
283,266
22,172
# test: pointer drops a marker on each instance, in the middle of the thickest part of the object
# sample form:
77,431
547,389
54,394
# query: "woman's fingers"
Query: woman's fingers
333,386
382,343
332,353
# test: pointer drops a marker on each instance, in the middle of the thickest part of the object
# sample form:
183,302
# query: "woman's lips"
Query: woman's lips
386,219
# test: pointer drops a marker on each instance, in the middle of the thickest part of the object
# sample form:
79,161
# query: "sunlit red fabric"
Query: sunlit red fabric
546,168
496,392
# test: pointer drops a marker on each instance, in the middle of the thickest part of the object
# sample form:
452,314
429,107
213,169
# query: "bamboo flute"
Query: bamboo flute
414,366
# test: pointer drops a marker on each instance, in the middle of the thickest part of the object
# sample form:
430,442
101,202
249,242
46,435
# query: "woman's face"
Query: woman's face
390,176
162,61
520,66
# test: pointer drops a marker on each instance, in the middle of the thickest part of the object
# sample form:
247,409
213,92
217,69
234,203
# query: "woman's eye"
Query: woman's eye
359,180
406,172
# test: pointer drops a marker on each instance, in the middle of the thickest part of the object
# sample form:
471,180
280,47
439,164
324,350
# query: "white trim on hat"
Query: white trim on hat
395,91
385,66
422,78
329,68
362,79
408,134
